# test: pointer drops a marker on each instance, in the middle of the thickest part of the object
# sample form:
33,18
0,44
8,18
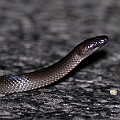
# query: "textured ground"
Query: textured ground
37,33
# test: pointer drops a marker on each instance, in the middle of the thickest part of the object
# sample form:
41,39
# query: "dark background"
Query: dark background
37,33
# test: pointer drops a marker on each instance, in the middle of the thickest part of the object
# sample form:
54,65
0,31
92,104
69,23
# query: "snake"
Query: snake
48,75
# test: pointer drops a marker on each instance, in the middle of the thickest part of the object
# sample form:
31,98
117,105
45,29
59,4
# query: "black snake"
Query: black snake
46,76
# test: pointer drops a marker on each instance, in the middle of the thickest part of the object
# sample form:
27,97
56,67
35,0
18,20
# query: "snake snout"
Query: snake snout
102,40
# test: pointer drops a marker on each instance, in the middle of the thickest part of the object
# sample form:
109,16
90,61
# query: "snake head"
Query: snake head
89,46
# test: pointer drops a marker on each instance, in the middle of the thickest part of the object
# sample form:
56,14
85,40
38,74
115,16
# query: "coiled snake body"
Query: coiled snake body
46,76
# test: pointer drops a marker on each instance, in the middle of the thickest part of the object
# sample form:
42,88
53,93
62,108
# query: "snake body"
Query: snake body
48,75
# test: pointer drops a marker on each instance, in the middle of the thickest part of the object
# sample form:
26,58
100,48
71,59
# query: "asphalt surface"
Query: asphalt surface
36,33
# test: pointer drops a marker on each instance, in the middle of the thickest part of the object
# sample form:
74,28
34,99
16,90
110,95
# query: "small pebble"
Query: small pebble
113,92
